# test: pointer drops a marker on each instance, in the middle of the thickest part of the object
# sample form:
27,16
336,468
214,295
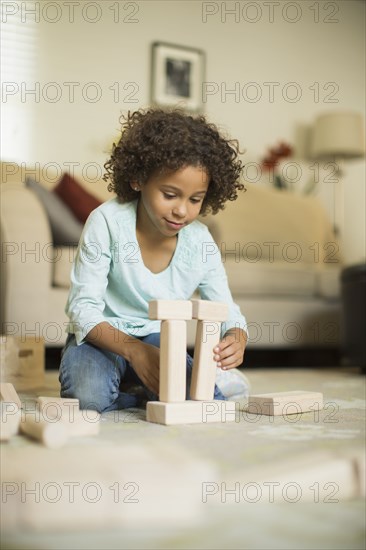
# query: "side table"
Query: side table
353,292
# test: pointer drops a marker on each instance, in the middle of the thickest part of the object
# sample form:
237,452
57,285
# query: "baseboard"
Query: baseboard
256,358
292,357
299,357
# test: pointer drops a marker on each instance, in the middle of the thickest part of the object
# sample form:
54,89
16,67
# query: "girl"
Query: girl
147,244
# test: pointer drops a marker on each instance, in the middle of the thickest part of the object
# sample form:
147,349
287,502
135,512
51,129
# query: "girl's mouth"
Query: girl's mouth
174,225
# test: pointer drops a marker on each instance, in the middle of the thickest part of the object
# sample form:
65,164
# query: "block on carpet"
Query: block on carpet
357,457
84,423
285,403
46,403
77,423
191,412
8,394
311,476
113,484
10,415
53,435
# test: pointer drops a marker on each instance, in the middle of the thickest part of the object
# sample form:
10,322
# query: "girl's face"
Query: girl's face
169,203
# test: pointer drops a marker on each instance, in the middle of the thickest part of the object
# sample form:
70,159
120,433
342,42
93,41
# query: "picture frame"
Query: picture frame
177,74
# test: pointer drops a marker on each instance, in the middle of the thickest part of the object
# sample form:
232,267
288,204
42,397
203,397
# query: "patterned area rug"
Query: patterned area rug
261,482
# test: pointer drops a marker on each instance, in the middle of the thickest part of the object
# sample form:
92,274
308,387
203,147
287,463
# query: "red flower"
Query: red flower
274,155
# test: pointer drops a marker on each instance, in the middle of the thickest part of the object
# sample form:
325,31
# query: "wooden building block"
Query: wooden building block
190,412
285,403
115,485
170,309
22,361
10,415
46,403
173,359
312,476
357,457
8,394
77,423
204,366
205,310
66,410
359,461
52,434
85,423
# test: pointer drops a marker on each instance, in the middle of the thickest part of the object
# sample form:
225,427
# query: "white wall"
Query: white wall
327,56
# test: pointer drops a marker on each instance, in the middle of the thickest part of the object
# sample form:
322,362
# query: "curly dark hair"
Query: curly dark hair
157,141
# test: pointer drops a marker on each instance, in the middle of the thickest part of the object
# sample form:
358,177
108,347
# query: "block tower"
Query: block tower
173,408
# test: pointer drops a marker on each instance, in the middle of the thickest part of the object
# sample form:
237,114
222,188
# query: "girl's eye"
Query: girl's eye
168,196
196,201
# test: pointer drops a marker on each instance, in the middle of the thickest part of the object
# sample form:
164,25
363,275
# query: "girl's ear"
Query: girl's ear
135,186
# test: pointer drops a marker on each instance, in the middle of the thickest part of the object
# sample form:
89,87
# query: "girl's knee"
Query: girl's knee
85,376
88,399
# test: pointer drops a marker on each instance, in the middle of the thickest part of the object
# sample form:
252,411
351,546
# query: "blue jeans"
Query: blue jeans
94,376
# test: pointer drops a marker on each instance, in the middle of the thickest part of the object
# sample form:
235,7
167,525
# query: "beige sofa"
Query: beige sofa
281,257
283,265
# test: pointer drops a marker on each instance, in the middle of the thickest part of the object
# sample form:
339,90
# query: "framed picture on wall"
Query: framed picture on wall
177,74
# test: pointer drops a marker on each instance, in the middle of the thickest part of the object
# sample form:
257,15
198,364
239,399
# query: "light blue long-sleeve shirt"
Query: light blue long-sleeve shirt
110,282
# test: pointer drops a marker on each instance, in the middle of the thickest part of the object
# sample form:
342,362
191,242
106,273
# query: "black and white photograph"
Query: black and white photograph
176,76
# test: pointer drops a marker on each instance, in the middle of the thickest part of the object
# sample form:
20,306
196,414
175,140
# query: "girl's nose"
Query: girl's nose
180,209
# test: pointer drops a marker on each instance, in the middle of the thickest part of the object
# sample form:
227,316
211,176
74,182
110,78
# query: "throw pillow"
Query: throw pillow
80,202
66,229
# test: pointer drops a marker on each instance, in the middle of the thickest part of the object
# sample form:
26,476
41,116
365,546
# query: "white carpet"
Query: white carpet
257,483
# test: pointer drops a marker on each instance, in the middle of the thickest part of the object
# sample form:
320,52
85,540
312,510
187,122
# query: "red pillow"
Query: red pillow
80,202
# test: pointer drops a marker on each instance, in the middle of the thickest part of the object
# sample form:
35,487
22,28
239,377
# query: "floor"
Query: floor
259,482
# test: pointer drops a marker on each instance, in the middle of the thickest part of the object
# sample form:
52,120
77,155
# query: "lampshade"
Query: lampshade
338,134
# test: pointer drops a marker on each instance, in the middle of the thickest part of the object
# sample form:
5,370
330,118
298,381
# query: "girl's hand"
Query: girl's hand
144,360
229,352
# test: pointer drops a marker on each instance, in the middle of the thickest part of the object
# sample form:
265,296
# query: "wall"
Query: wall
313,52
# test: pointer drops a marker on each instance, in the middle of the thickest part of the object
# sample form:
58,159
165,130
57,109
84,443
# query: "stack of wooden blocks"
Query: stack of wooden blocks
173,408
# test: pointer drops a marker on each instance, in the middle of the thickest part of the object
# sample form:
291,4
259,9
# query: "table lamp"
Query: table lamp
337,137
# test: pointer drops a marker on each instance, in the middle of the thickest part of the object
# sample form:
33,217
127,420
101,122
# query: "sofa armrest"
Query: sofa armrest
26,261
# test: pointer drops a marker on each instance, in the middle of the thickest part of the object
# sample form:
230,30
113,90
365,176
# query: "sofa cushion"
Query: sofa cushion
267,224
270,279
65,228
80,202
